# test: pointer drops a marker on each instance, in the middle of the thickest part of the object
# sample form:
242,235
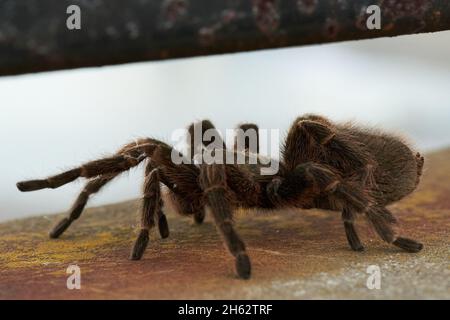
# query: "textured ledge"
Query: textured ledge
295,255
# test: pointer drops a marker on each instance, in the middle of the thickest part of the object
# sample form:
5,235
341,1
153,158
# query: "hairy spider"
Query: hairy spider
339,167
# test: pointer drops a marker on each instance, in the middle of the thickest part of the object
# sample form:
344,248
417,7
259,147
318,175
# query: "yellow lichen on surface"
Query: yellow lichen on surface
25,250
422,198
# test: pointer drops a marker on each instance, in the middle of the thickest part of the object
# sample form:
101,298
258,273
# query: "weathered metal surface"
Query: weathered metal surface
298,254
34,36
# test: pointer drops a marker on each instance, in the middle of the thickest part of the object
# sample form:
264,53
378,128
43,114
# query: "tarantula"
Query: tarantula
325,165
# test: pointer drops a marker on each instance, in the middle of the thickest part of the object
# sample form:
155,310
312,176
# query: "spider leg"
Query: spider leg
94,186
90,188
106,166
213,182
382,219
316,118
199,216
163,226
314,138
348,216
197,144
150,209
247,138
420,162
304,142
242,182
129,156
197,138
316,185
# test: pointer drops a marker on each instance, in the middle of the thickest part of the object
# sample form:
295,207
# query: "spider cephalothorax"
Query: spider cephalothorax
323,165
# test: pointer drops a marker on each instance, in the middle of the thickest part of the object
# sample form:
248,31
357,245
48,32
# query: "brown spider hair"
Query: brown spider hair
339,167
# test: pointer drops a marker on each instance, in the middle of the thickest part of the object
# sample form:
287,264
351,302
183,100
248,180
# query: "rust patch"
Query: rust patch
331,28
172,11
266,15
415,10
307,6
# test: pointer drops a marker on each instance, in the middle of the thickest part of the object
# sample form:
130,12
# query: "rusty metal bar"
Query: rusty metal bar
34,36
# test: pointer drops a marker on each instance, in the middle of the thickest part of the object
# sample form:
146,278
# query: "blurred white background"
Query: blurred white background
53,121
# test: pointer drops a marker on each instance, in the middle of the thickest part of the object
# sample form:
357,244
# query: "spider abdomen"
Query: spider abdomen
397,167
